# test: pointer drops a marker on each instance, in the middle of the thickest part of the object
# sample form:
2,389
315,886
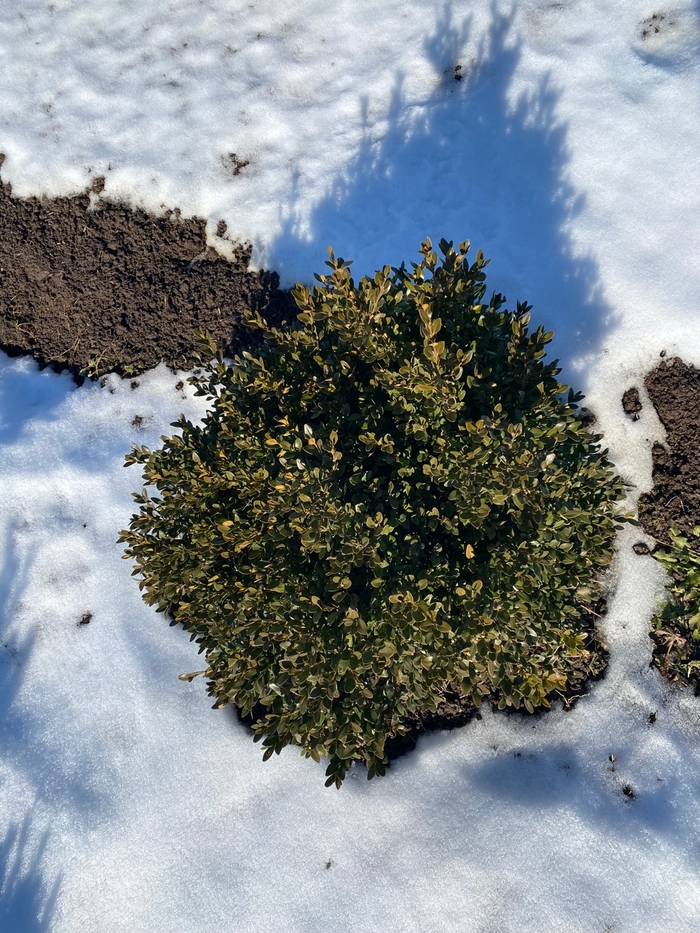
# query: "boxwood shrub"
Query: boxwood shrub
676,625
387,499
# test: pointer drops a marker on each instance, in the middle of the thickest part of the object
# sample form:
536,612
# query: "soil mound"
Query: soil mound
674,390
93,286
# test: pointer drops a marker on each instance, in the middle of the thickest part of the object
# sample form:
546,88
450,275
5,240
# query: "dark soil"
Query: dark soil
674,390
93,286
631,403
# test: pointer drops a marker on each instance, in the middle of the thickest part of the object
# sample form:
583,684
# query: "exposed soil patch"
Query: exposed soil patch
674,390
90,285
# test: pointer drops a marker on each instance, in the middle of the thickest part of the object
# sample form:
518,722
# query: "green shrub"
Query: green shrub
383,501
676,627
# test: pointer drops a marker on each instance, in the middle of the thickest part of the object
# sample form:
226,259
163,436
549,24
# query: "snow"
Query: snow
570,153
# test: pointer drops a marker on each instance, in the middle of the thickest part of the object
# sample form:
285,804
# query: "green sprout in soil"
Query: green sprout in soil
99,365
96,366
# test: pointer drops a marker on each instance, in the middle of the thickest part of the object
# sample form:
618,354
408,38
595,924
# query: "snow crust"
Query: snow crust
569,152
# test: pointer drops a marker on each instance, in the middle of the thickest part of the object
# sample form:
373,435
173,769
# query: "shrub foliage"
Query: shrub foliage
676,626
388,498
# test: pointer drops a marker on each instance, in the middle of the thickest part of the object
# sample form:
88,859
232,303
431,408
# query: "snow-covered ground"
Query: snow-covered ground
570,153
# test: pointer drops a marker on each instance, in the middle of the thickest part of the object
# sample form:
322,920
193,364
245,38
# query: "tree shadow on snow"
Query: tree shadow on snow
27,902
467,165
43,764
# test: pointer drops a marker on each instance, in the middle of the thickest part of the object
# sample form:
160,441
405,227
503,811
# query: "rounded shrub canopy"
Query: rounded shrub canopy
388,499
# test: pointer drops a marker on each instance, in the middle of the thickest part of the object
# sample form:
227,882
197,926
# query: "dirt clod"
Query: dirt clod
631,402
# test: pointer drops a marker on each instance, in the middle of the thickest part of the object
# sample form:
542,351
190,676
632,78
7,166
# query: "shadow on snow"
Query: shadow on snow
26,902
467,164
45,766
